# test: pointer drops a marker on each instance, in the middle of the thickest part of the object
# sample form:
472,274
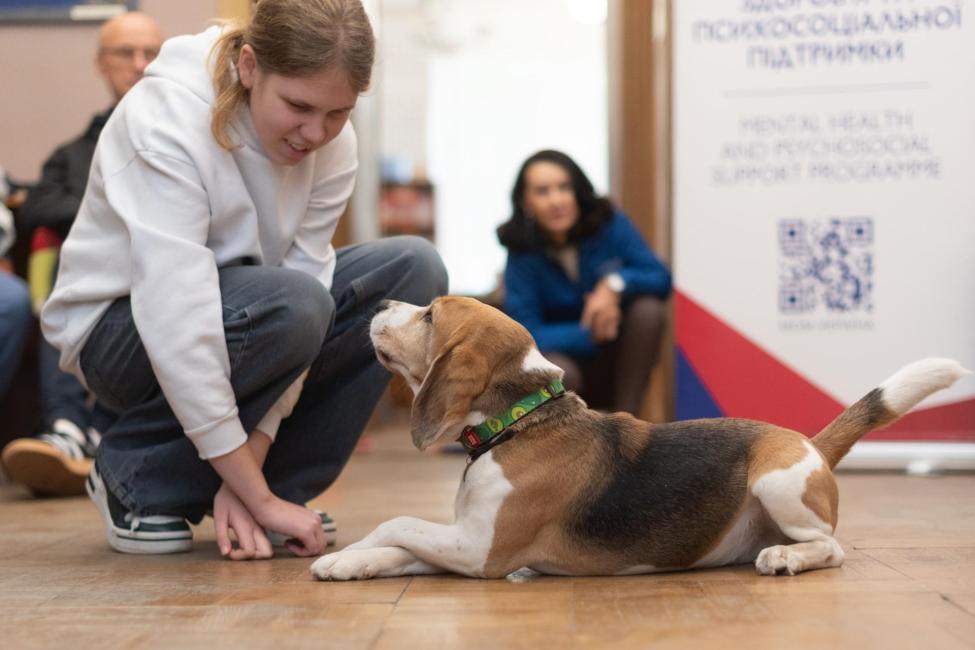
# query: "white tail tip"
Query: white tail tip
917,380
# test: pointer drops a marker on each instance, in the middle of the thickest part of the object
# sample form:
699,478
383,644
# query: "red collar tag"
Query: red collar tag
471,437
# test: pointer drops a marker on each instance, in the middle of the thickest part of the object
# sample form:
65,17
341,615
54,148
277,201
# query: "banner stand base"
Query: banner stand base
917,458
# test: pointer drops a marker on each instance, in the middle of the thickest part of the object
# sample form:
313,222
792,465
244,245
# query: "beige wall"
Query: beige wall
49,86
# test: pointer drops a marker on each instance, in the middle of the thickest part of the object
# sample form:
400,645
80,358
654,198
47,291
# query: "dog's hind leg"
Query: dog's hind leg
801,500
796,558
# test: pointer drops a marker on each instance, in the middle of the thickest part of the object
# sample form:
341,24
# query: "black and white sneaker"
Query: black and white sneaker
328,527
130,533
54,463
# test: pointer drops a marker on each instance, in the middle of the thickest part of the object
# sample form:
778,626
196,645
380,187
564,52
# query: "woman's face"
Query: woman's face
550,199
293,116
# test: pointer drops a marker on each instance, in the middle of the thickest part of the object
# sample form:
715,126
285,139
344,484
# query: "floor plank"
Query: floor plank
908,581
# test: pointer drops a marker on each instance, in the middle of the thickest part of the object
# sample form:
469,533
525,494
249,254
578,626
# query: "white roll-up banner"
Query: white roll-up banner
824,208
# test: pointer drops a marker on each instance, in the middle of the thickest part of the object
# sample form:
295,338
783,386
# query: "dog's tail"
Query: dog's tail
886,403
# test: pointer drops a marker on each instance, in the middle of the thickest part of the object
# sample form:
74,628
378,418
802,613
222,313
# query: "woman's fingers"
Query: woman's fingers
319,535
243,530
606,327
262,545
299,549
295,547
252,543
301,525
312,538
588,314
611,327
586,320
307,528
229,514
222,532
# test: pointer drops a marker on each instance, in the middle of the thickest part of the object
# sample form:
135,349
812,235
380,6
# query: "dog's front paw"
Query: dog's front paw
345,565
778,559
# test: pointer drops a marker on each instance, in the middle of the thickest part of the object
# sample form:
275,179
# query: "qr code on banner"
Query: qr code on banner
826,264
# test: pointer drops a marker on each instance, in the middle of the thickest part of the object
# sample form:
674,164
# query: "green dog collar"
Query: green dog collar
474,438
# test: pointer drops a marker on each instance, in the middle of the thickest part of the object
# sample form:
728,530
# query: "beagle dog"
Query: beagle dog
560,489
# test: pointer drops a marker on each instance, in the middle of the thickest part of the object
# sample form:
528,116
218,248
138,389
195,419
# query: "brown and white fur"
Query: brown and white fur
578,492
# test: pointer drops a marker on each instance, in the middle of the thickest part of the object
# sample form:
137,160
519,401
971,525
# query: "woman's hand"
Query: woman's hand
301,525
601,314
606,326
241,471
230,514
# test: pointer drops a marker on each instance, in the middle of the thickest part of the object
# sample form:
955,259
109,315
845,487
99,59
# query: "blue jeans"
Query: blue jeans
15,319
278,323
62,395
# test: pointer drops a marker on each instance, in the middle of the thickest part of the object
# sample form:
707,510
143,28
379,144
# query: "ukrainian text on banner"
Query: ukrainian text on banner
824,206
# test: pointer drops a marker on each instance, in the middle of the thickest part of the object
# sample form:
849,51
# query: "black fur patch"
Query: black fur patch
875,411
667,506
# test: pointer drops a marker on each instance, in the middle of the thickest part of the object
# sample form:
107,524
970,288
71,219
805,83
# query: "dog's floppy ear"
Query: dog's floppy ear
456,378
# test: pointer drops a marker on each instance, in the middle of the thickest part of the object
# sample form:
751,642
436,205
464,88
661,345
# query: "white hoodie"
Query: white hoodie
164,208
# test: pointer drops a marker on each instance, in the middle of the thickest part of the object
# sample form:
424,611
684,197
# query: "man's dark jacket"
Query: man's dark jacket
55,200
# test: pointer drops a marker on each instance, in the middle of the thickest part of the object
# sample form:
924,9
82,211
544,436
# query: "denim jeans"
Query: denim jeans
62,395
15,319
278,322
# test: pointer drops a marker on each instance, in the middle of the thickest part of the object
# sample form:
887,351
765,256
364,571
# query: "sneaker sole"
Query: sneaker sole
44,469
125,541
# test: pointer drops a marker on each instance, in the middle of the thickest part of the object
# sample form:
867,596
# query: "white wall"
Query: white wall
364,219
403,88
499,81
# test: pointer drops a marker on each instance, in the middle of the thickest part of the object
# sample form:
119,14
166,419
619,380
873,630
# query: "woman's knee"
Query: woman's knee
424,273
646,313
308,314
281,312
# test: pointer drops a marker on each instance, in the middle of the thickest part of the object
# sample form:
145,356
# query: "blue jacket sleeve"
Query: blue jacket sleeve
522,302
642,272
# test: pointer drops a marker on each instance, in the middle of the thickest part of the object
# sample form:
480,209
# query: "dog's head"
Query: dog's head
464,361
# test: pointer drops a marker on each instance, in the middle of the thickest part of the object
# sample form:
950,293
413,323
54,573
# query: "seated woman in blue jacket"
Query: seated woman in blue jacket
583,281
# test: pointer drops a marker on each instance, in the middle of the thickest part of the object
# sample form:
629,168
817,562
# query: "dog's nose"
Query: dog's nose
384,304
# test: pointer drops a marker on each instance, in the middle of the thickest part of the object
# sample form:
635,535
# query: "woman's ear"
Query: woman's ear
247,66
456,378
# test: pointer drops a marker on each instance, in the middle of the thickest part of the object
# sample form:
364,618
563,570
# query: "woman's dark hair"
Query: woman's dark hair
522,233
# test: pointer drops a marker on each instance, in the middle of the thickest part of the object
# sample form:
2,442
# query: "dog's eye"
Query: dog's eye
428,317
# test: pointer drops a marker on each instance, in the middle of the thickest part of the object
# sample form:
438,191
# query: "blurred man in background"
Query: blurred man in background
58,459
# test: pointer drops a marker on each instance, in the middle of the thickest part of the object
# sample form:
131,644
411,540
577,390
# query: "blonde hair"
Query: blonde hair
291,38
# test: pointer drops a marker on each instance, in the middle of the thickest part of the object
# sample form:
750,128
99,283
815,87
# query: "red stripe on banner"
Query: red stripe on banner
748,382
953,422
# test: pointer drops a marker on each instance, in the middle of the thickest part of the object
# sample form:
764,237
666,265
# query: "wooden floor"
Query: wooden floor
908,582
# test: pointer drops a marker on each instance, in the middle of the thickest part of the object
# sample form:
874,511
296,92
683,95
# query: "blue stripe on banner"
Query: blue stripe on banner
693,398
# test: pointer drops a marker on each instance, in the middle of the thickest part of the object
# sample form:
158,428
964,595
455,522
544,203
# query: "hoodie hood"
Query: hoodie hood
185,60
